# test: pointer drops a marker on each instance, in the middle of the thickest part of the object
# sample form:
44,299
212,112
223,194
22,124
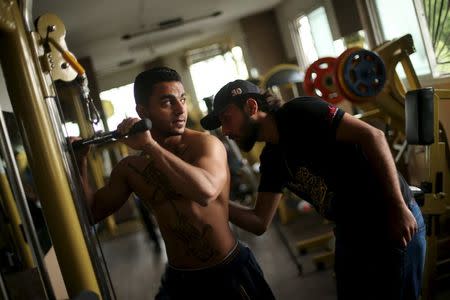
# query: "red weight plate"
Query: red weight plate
320,82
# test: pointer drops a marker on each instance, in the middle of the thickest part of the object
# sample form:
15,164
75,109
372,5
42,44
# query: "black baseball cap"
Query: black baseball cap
230,92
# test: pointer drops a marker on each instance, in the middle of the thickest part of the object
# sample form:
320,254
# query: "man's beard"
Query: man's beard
248,140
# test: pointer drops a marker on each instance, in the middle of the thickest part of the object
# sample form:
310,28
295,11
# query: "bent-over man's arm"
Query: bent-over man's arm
375,147
255,220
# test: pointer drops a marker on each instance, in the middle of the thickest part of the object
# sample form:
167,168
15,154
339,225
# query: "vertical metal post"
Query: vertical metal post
4,293
94,161
19,194
16,221
92,243
20,69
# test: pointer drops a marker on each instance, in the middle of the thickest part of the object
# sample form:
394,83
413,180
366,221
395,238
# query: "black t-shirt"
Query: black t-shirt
334,177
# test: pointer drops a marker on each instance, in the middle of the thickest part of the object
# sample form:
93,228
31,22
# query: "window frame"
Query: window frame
426,36
227,48
295,36
375,23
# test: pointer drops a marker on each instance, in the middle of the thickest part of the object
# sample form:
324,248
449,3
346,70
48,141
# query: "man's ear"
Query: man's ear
142,112
251,106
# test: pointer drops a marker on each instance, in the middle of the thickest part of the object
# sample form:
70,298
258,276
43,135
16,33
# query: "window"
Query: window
212,67
435,15
397,18
120,105
72,129
122,100
428,23
313,38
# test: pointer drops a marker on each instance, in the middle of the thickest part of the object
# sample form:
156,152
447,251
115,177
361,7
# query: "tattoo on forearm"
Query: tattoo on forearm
152,175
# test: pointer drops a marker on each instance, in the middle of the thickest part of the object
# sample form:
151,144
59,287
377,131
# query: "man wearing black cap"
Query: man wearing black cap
183,178
344,168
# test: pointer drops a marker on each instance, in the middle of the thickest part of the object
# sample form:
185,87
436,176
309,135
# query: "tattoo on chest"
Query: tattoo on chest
194,239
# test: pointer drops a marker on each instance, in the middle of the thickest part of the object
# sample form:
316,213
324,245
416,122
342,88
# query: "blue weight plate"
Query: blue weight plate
364,73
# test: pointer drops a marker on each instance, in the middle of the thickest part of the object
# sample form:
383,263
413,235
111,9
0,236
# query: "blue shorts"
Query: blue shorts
237,277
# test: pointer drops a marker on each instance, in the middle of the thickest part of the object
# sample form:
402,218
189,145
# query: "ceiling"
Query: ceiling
96,28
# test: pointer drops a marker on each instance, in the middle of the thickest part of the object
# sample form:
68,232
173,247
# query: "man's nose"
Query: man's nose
179,107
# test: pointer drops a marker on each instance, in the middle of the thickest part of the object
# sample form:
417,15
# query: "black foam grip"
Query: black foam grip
141,126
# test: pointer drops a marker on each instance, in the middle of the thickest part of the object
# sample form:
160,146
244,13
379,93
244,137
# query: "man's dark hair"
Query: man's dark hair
144,82
267,102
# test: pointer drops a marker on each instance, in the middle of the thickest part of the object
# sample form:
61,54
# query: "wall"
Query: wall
113,80
289,10
176,60
347,16
233,33
265,47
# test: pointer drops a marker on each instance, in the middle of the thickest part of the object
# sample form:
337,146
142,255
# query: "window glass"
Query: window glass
321,32
398,18
225,68
316,40
307,41
122,100
437,20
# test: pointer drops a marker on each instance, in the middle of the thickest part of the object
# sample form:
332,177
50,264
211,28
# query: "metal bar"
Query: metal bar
55,113
411,76
443,94
89,234
16,221
368,114
402,150
26,7
20,69
4,293
94,161
15,181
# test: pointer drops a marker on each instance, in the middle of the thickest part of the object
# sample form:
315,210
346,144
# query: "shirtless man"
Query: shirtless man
183,177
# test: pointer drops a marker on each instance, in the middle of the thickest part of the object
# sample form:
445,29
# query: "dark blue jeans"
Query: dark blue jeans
239,277
368,266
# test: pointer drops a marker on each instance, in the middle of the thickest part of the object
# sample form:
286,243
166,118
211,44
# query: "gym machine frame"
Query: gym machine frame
33,100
